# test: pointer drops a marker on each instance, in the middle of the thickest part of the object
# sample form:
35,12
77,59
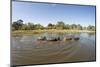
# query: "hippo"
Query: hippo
41,38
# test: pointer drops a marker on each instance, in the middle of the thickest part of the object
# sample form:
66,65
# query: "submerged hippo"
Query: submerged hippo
76,38
71,38
41,38
67,38
49,38
52,38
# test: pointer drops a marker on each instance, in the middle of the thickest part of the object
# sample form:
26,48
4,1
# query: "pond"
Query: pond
28,50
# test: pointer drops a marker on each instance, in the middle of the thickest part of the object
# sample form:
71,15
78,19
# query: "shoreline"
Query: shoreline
32,32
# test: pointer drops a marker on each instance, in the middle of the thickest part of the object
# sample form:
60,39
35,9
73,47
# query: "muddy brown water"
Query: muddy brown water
28,50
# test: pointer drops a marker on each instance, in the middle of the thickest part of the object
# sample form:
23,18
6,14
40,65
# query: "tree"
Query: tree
24,27
67,26
17,24
91,28
13,28
79,27
38,26
73,26
60,25
51,26
30,26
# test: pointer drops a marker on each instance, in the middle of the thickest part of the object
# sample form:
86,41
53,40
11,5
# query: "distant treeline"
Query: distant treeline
19,25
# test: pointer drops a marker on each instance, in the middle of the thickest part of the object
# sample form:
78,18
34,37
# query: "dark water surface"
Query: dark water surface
28,50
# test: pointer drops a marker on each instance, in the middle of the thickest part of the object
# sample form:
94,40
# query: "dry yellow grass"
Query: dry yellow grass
30,32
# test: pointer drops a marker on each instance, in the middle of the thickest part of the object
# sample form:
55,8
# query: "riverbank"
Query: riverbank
31,32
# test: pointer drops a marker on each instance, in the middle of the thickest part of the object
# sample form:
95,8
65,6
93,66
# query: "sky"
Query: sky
45,13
